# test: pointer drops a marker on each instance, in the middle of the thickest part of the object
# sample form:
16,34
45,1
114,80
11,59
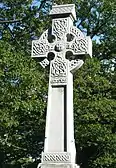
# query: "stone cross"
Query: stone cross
64,47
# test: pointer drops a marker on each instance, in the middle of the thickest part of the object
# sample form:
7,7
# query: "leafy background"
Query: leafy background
24,84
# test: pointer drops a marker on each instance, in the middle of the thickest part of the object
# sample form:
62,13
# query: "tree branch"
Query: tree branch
82,20
42,4
9,21
19,20
99,27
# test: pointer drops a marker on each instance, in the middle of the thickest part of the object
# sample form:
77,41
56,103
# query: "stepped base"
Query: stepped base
57,165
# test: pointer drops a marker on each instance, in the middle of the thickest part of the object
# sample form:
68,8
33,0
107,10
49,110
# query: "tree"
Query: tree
24,86
95,116
22,107
19,22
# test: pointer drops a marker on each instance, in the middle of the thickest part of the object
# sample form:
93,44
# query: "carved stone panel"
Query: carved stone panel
41,47
75,64
79,44
59,70
60,27
44,63
63,157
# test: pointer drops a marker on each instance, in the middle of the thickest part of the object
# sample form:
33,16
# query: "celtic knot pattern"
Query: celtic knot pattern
44,36
60,27
75,64
40,48
76,32
56,157
44,63
64,47
63,40
58,69
80,42
79,46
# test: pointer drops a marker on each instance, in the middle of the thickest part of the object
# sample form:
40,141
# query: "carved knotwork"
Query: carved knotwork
63,157
79,43
59,69
41,47
64,38
44,63
60,28
75,64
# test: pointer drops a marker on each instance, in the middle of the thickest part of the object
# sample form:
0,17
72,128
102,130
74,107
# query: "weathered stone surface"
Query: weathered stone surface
63,47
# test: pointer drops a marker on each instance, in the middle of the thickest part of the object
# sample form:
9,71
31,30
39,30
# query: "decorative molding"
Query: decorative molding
63,9
63,157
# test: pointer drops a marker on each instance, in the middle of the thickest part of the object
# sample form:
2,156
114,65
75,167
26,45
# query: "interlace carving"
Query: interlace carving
60,27
79,46
80,42
56,157
41,46
75,64
44,36
58,69
64,39
44,63
76,32
62,9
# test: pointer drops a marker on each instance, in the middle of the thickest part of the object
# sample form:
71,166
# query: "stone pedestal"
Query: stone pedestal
57,160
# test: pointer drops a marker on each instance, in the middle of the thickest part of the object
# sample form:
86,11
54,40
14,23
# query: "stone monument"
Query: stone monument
64,47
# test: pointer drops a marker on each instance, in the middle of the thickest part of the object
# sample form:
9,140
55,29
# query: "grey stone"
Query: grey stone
64,48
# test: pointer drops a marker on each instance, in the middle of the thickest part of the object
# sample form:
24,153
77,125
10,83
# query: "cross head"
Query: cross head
63,46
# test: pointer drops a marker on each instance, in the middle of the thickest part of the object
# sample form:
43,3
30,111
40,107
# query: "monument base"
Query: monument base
57,165
57,160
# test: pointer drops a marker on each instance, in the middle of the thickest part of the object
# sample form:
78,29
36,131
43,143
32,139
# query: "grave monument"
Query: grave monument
64,47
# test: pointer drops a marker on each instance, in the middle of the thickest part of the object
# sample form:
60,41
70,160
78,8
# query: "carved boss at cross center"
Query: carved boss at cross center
63,46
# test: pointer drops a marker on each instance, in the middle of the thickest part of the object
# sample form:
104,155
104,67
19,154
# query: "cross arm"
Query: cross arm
41,48
78,47
79,44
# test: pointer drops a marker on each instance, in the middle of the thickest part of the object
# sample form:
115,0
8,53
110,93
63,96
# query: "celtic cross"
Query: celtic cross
63,47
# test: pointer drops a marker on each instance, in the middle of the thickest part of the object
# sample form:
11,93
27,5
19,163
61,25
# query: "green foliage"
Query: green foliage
19,23
23,91
95,116
22,107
